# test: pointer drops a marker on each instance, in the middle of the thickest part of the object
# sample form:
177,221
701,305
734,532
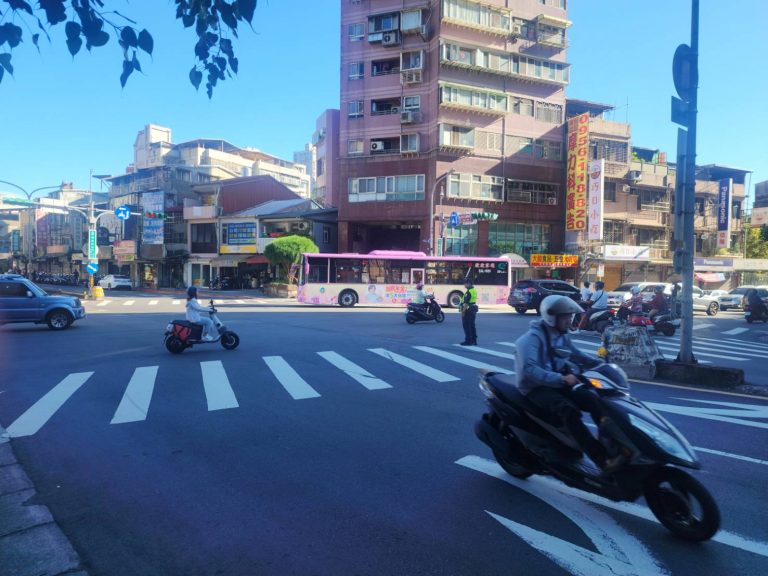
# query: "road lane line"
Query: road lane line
423,369
152,303
730,455
294,384
699,326
218,392
41,411
488,351
239,302
129,302
175,302
492,469
104,302
510,344
735,331
461,360
354,371
134,404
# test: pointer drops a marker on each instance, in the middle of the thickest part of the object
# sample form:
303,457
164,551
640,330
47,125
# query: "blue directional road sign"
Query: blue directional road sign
123,212
92,268
454,221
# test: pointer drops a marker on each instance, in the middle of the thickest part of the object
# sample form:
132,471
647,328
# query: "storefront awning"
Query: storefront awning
709,277
257,259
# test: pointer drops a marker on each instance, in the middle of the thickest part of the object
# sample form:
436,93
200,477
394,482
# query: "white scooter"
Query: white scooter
183,334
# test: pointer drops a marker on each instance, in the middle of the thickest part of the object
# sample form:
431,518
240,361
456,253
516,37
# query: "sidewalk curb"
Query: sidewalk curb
31,543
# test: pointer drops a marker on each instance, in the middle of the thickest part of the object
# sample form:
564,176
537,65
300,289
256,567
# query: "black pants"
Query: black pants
567,405
468,322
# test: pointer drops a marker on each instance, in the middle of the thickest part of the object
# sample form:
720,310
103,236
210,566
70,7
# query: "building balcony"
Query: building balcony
410,76
506,73
492,29
473,109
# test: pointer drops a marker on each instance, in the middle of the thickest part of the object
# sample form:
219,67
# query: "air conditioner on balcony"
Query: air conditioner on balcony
390,38
377,145
552,201
302,225
635,175
406,117
625,188
517,29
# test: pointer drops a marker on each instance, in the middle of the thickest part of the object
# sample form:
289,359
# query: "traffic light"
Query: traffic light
155,215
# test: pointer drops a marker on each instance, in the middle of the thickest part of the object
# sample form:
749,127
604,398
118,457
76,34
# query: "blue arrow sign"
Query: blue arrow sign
123,212
92,268
454,219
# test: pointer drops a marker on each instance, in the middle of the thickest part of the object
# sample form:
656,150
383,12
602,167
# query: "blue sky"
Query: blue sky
63,117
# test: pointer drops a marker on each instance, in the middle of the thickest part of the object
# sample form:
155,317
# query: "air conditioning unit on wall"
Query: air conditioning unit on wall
377,145
302,226
390,38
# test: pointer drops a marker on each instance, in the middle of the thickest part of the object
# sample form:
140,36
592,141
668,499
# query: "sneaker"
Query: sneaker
465,343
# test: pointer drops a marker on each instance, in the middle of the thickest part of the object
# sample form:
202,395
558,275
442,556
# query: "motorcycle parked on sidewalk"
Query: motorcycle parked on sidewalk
430,311
183,334
527,440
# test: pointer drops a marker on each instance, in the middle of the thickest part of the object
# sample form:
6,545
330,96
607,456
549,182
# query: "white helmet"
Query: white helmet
553,306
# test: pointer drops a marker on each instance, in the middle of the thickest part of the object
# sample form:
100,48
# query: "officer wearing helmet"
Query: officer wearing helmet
540,379
199,314
469,313
658,304
597,302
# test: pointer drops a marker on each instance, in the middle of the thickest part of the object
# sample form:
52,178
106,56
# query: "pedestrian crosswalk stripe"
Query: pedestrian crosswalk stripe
134,404
423,369
702,325
735,331
732,344
510,344
175,302
354,371
41,411
294,384
218,391
104,302
461,360
239,302
152,303
488,351
698,351
129,302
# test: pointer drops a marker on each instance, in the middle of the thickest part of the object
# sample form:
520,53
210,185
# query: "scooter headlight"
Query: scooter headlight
663,439
485,389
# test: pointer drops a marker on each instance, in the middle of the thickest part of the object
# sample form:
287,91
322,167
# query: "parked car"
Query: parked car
701,301
116,281
618,296
528,294
716,294
22,300
733,299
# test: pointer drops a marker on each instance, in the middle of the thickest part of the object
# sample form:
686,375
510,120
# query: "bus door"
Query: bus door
417,275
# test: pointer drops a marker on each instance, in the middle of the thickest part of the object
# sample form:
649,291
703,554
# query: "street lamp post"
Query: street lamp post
432,210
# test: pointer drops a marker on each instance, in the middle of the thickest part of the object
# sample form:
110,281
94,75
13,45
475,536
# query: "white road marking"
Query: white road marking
354,371
494,470
729,455
104,302
218,392
461,360
697,350
487,351
134,404
239,302
736,413
702,325
41,411
175,302
152,303
510,344
709,347
428,371
129,302
735,331
294,384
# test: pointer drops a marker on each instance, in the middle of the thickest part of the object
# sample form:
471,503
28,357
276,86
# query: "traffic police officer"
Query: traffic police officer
468,314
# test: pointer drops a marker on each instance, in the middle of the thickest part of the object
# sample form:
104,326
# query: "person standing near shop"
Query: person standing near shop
469,313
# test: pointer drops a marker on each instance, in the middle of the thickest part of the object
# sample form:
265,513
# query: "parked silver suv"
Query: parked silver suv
24,301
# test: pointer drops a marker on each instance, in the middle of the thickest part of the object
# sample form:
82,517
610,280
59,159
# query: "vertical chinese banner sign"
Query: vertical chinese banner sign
596,183
576,173
724,213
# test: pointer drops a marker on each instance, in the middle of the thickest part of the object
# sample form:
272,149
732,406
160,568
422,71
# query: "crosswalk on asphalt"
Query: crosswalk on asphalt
109,303
364,366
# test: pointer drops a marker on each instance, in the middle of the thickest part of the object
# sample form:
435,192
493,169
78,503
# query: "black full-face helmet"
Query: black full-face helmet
192,292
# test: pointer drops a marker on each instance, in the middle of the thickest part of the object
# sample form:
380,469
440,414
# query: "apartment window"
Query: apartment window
409,143
518,238
411,19
355,147
457,136
519,145
320,166
476,13
548,150
411,102
356,32
609,150
532,192
411,60
613,232
473,98
384,22
356,70
456,53
476,186
609,191
355,109
547,112
522,106
384,67
387,188
555,3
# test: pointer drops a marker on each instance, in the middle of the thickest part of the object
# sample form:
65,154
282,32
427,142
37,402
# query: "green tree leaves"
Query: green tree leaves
287,250
214,20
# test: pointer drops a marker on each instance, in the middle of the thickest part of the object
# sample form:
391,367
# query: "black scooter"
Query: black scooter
755,314
431,311
183,334
527,440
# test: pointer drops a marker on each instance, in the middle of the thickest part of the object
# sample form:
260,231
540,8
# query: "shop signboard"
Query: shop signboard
626,252
576,173
554,260
724,213
238,238
596,184
153,228
124,248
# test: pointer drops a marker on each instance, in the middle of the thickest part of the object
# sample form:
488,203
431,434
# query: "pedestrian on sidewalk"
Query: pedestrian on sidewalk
469,313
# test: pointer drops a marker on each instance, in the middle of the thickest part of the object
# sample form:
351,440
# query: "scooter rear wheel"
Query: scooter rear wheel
174,345
682,504
230,340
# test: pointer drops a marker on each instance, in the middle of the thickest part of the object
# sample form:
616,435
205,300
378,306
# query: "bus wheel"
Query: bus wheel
455,299
347,298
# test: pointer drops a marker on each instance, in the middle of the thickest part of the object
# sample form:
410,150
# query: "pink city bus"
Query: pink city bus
385,277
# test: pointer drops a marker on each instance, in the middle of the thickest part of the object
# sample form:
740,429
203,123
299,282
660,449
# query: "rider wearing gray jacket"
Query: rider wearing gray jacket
540,379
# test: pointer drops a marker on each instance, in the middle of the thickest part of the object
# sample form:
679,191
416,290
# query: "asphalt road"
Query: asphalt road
340,442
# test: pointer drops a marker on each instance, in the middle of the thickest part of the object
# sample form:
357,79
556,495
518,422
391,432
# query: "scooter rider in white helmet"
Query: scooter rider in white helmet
563,395
199,314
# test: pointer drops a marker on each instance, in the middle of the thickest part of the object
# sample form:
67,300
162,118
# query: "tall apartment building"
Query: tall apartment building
326,142
452,106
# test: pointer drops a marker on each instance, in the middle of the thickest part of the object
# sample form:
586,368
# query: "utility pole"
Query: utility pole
685,73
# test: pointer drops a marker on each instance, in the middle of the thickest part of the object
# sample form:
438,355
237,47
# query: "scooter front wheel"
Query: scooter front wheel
174,345
682,504
439,317
511,467
230,340
410,319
